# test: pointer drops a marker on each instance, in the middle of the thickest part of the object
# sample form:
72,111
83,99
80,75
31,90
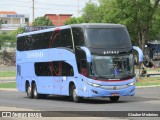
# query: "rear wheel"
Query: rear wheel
36,95
75,98
29,91
114,98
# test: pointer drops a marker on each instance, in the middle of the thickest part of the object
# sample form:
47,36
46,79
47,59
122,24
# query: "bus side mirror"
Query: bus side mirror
140,53
88,54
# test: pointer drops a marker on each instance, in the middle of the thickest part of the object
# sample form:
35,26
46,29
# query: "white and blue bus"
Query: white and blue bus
79,60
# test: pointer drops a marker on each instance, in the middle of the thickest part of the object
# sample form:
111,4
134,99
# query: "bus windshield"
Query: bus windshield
107,38
113,67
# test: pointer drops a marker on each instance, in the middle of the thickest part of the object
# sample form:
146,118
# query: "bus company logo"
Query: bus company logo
111,52
114,88
35,54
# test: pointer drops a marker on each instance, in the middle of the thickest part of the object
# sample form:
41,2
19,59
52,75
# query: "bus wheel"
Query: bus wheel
114,98
75,98
35,94
29,91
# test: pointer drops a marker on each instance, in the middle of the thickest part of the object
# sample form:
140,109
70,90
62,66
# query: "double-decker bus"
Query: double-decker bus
79,60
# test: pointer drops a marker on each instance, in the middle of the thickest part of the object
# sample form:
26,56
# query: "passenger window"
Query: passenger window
54,68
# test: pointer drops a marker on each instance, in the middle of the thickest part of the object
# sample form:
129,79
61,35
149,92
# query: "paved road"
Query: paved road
146,99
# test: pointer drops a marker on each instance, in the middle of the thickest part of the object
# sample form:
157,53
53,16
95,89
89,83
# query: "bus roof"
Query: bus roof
83,25
97,25
42,31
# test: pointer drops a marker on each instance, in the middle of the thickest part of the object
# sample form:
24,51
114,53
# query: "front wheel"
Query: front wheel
114,98
75,98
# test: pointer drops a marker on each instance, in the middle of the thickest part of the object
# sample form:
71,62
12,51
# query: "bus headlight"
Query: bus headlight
132,83
93,84
96,85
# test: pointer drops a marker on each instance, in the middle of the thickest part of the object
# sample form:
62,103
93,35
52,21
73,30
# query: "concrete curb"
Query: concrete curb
148,86
9,89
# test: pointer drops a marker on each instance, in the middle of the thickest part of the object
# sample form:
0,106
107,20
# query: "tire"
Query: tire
114,98
75,98
36,95
29,91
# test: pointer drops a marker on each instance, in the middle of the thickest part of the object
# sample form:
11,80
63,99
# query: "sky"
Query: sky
43,7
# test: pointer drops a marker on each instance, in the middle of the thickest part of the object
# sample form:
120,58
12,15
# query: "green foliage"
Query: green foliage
18,31
74,20
8,85
4,38
42,21
7,74
9,40
90,12
141,17
154,33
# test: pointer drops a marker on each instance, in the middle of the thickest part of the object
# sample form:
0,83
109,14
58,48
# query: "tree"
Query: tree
18,31
154,33
42,21
139,16
90,12
74,20
3,39
9,39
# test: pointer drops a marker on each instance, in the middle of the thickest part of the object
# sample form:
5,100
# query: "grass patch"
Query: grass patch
7,74
8,85
148,81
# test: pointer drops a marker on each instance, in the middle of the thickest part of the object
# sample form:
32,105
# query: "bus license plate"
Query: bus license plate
115,94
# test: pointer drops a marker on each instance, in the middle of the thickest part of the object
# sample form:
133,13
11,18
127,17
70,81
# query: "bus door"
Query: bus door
84,68
62,72
55,68
67,75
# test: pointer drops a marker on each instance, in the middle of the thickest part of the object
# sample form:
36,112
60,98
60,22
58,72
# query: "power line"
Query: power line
18,1
63,5
54,9
14,5
36,7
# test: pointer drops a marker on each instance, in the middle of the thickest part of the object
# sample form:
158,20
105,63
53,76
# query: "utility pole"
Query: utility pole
78,8
33,10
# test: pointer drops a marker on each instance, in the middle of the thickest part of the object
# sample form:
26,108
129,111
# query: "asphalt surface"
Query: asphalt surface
146,99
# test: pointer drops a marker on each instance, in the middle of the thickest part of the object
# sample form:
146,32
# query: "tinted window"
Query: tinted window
65,38
78,36
107,38
45,40
55,68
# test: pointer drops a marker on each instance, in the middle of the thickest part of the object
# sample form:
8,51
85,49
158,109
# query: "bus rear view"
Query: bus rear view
100,57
